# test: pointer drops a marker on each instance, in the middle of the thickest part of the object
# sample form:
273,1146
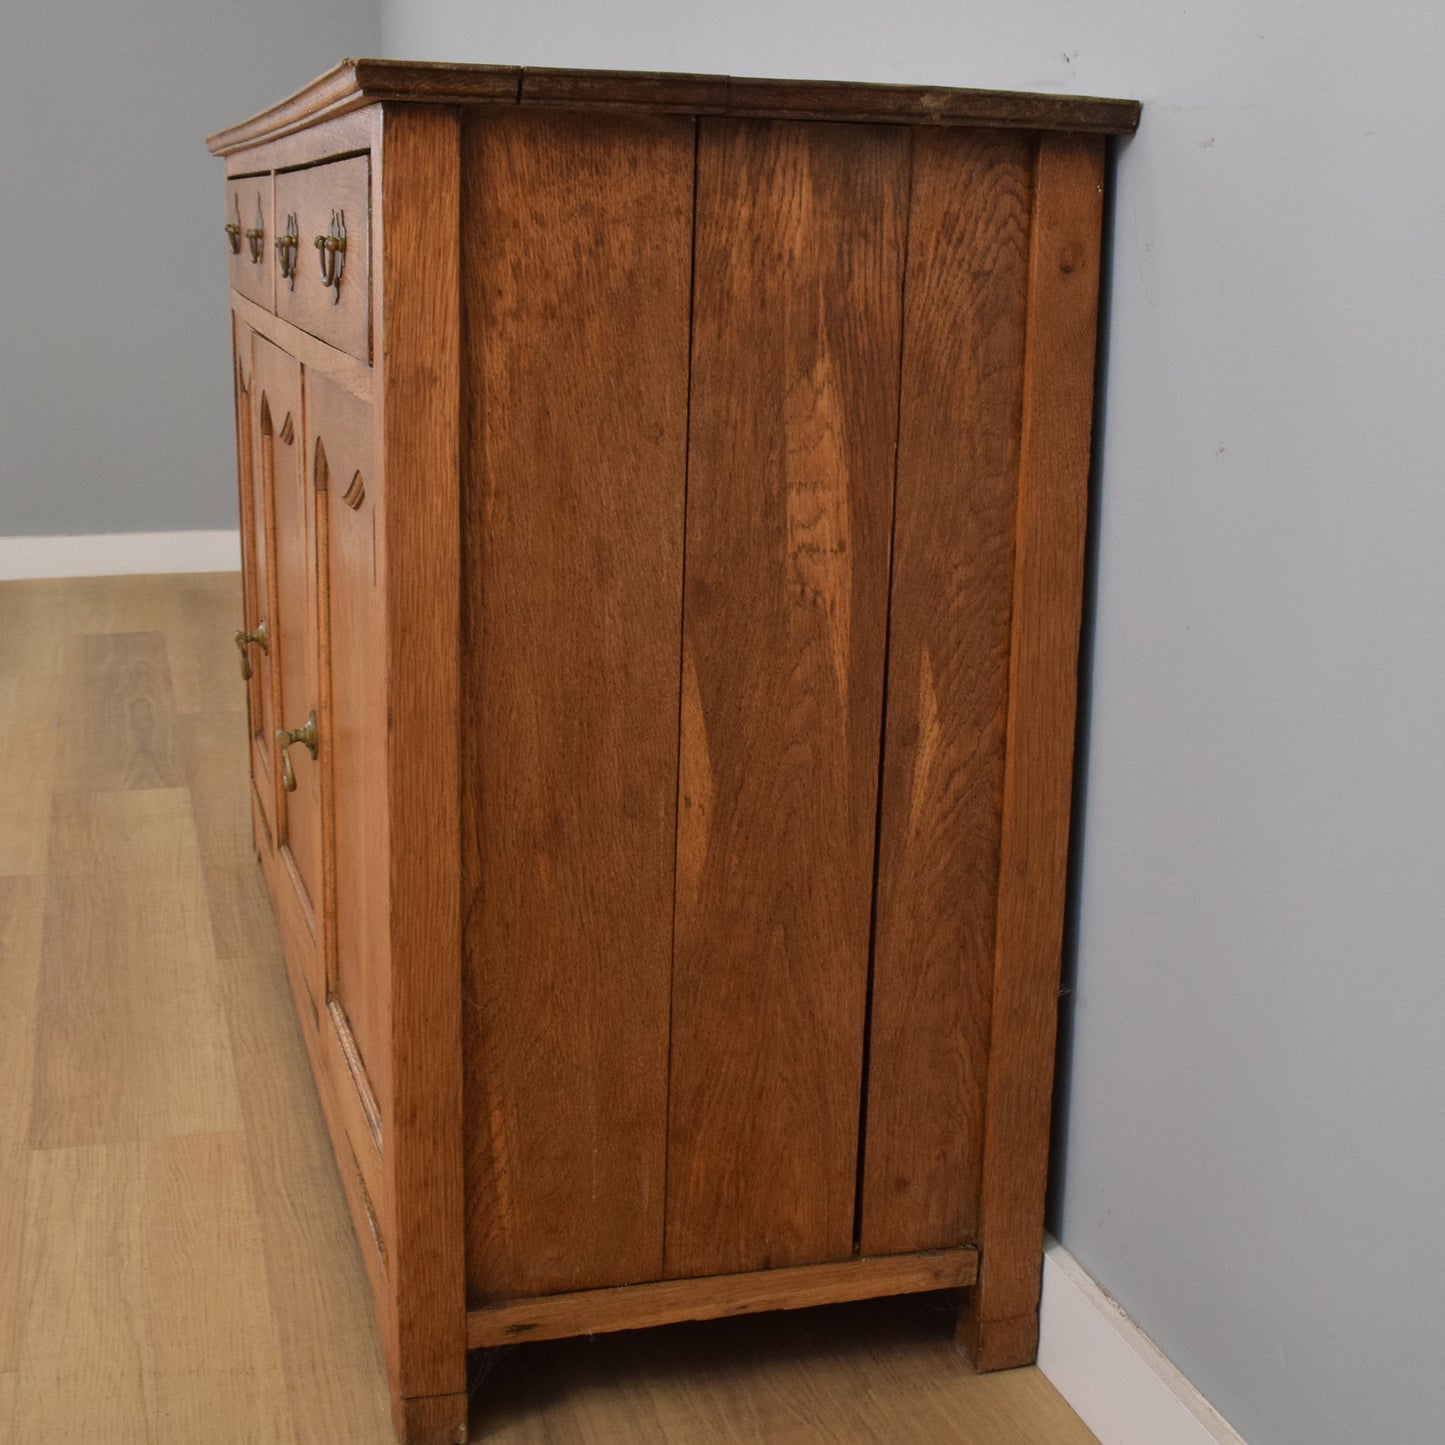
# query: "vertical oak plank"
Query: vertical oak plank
576,294
948,660
799,259
999,1323
416,302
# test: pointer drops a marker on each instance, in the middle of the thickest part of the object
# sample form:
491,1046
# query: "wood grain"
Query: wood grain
355,83
323,138
294,653
881,1370
577,322
116,696
357,834
341,318
213,1368
252,279
417,182
799,260
21,916
630,1307
952,597
128,995
32,695
335,1385
1048,584
254,484
82,1356
345,371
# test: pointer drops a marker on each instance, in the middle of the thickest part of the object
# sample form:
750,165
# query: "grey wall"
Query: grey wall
1256,1083
114,371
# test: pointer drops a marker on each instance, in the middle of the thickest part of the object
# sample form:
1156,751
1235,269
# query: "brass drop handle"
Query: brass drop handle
260,637
331,249
285,737
233,230
287,244
256,235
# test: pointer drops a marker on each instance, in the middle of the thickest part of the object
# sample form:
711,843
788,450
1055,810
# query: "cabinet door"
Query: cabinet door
256,579
294,644
347,492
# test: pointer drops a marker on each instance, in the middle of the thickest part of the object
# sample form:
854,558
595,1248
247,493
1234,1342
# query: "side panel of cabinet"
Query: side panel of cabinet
576,259
294,658
256,582
347,488
953,558
799,270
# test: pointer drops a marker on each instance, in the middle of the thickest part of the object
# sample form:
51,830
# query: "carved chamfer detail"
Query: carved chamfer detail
320,470
287,434
355,494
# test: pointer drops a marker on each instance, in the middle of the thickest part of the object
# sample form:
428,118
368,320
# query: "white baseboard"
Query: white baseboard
1111,1373
115,554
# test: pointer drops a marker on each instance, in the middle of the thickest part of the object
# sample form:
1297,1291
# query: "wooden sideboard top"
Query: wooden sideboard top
355,83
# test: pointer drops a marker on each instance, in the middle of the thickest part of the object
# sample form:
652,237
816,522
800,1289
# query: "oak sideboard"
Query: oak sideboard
663,504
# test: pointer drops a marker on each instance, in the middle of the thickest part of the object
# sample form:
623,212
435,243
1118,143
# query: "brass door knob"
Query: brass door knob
260,637
305,735
331,252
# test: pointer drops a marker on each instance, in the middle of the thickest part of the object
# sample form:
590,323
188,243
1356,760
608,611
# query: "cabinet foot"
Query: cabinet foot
997,1344
431,1419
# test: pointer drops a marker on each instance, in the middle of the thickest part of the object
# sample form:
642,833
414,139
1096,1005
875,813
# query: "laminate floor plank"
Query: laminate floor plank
878,1370
83,1297
212,1355
336,1381
201,616
21,911
176,1259
131,1034
118,708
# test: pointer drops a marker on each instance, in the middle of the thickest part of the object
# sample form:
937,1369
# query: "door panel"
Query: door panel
293,655
576,267
799,255
255,580
348,496
938,859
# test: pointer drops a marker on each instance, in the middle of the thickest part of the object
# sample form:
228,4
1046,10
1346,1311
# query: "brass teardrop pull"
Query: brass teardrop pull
260,637
331,249
233,229
288,243
306,736
256,235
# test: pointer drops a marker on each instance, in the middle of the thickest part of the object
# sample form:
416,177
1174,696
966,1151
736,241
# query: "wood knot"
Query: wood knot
1067,260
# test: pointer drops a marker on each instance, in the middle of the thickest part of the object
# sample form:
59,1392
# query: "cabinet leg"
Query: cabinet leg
431,1419
996,1344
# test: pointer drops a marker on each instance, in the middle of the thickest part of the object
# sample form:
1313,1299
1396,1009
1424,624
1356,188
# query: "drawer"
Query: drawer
249,237
329,290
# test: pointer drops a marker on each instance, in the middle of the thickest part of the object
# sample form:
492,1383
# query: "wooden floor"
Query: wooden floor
175,1259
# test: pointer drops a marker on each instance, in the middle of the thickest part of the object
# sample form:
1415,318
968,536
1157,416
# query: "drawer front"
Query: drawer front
329,292
250,237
